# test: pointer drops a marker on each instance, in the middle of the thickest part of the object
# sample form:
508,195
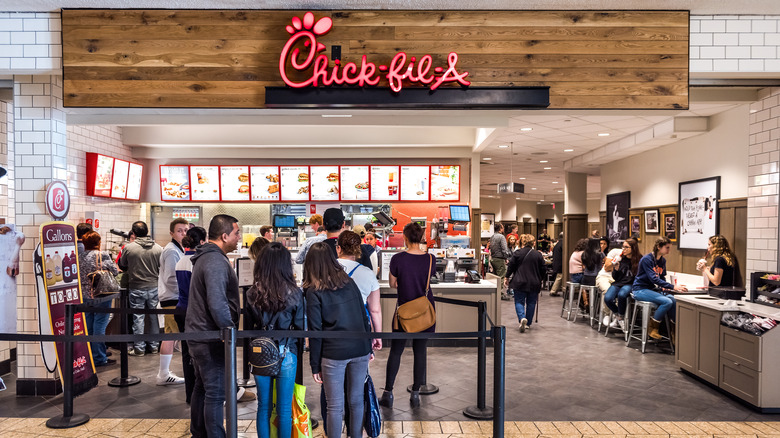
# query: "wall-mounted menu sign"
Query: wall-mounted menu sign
175,183
295,183
205,183
325,183
265,183
384,183
113,178
234,183
414,183
354,183
445,183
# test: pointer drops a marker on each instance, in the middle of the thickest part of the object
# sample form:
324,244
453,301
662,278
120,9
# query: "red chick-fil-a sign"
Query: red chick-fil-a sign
401,68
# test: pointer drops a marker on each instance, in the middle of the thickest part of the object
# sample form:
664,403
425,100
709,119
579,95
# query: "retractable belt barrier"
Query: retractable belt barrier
230,336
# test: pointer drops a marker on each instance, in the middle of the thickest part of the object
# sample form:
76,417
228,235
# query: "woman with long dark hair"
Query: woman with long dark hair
524,275
334,303
624,268
592,260
276,302
721,267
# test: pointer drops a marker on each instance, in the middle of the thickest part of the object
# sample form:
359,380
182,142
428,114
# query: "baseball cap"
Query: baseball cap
360,230
333,219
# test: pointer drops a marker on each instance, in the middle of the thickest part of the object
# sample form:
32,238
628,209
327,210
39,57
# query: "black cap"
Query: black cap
333,219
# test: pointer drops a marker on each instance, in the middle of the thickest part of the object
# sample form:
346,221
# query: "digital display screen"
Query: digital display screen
460,213
284,221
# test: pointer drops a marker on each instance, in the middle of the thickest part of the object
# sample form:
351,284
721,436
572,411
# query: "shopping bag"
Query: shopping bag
301,425
372,420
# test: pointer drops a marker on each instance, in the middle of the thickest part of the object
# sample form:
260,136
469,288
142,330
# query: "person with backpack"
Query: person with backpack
524,274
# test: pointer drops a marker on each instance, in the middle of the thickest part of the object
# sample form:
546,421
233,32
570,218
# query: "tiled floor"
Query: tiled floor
560,372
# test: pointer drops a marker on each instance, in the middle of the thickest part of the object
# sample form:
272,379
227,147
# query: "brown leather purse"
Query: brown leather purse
416,315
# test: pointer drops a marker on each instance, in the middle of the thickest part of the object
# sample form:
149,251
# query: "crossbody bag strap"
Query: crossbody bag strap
428,274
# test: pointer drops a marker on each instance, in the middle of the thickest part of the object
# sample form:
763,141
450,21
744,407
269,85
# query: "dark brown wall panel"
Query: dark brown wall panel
225,59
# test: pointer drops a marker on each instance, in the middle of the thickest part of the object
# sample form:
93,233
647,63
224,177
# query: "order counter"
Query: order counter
451,317
737,362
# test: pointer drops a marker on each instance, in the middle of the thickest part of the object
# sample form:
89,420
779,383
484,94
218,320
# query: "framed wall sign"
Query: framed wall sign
617,216
651,222
670,226
698,206
635,221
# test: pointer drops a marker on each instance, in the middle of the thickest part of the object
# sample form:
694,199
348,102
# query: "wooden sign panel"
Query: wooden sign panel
225,59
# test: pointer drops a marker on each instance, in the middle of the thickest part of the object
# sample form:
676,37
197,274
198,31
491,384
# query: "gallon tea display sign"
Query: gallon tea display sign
698,201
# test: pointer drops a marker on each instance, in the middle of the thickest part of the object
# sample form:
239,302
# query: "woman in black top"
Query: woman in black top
623,273
524,275
721,267
276,302
334,303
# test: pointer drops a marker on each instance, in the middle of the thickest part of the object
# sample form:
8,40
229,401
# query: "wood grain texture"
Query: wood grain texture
225,59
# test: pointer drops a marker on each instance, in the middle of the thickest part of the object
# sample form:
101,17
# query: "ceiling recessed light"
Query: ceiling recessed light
543,161
568,150
503,146
560,191
555,182
336,116
487,158
603,134
526,129
753,111
548,168
533,188
522,177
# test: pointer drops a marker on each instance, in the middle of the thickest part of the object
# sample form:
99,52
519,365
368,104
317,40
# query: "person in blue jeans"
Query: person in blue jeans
624,268
91,260
650,276
275,302
524,275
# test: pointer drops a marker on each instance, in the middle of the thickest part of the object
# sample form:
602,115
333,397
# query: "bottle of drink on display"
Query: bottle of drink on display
74,266
50,280
57,260
66,277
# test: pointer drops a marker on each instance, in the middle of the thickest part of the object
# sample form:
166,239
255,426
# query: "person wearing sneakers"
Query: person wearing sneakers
650,275
524,274
499,253
168,292
141,261
604,277
624,267
557,266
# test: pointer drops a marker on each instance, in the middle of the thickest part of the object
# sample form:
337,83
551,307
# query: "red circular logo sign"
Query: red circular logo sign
57,200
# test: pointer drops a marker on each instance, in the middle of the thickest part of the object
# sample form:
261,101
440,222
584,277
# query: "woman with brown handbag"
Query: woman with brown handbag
410,274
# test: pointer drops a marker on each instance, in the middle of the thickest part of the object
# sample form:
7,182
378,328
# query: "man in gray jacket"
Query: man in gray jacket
499,254
141,261
214,304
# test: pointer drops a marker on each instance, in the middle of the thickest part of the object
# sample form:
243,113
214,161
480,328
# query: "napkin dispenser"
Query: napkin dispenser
726,292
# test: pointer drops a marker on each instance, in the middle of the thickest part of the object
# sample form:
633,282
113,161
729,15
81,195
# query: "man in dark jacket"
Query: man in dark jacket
557,266
214,304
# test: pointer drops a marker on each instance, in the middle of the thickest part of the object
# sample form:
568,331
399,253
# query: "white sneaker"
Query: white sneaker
614,324
622,324
523,325
606,320
170,379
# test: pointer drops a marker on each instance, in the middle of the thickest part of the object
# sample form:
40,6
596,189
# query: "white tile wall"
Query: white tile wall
745,44
30,43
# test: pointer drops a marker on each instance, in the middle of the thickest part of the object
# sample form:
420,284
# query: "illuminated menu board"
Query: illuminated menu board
414,183
354,183
445,183
384,183
234,181
295,183
175,183
265,183
119,179
103,176
134,178
325,183
205,183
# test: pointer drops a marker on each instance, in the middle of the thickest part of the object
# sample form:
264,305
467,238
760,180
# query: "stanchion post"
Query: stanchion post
246,379
67,420
124,379
499,379
231,408
480,411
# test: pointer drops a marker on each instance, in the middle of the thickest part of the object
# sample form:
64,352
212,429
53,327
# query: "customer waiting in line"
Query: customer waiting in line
91,260
81,230
257,245
410,273
141,261
214,304
499,254
575,261
334,303
721,267
604,277
557,266
525,273
276,302
196,236
349,250
651,275
367,252
168,292
315,222
623,268
371,240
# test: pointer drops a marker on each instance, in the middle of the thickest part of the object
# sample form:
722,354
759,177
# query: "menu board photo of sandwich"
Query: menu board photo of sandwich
384,183
354,183
234,183
265,183
175,183
445,183
295,183
119,180
205,183
134,178
103,176
414,183
325,183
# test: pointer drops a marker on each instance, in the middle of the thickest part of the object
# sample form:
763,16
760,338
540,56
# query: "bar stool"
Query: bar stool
646,307
626,321
592,292
568,298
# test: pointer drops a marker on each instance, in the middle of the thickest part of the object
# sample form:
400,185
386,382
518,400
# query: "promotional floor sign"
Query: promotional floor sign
48,349
62,285
10,243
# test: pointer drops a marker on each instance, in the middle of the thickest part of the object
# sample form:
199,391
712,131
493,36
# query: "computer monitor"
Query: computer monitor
284,221
460,213
383,218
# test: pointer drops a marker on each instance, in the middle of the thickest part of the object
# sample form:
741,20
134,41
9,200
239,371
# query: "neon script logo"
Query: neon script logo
368,73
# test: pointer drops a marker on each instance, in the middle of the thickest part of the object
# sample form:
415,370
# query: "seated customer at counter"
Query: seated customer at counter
651,275
720,267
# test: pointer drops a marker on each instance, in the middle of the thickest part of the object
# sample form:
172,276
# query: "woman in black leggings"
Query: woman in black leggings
410,272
